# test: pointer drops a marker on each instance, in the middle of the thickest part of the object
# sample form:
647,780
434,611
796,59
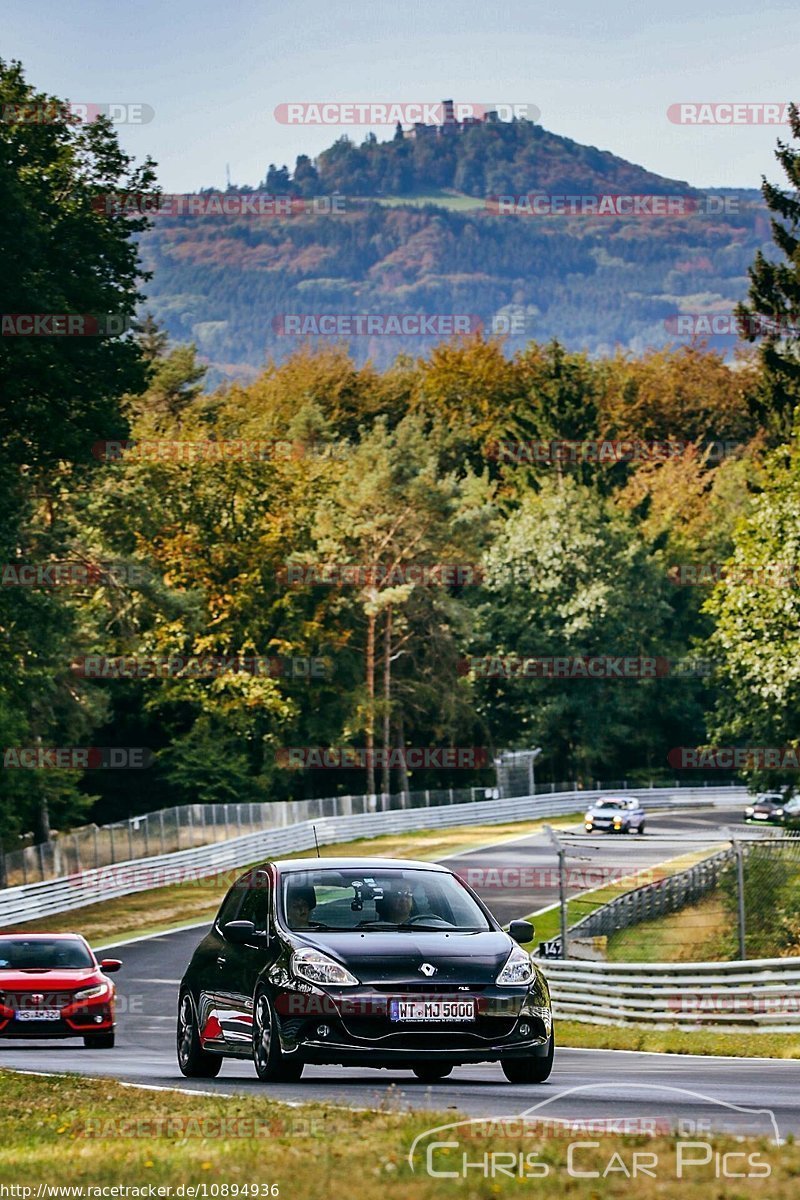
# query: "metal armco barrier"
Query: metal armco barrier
30,902
758,996
650,901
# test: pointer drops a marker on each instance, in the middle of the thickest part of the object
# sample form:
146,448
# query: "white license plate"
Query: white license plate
761,816
431,1010
39,1014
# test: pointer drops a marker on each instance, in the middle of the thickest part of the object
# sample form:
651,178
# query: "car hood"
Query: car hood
56,979
390,958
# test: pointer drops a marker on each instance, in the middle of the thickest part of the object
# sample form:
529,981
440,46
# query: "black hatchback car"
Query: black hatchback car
362,962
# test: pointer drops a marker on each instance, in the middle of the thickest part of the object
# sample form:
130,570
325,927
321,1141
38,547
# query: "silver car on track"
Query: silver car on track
615,814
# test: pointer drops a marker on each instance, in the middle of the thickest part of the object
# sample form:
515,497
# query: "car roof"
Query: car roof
286,865
43,937
615,799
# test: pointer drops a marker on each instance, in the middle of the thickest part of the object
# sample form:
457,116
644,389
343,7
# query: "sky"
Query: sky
212,72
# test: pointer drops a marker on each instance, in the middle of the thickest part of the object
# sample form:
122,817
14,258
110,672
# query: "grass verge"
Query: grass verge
87,1133
161,909
698,933
548,922
678,1041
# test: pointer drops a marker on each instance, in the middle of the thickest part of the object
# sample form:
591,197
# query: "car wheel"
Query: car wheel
99,1041
641,827
271,1064
432,1072
193,1060
533,1069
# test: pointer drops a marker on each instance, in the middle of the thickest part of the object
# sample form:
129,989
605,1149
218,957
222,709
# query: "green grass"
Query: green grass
548,923
98,1133
455,201
700,932
678,1041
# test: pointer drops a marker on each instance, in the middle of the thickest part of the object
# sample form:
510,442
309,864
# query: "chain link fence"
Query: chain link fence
739,903
193,825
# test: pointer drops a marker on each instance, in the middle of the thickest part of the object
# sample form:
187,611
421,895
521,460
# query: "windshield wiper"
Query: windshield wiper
443,928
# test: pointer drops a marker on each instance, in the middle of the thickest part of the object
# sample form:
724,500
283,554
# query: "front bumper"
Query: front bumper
353,1027
76,1020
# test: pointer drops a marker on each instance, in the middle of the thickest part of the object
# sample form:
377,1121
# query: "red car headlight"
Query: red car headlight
96,992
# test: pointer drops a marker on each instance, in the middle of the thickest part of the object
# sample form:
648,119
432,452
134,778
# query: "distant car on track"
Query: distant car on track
362,962
52,986
615,814
770,808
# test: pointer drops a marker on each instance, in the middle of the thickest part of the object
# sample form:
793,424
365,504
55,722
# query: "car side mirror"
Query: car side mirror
109,965
239,932
521,931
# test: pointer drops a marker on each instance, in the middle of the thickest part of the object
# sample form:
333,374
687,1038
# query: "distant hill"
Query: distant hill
418,231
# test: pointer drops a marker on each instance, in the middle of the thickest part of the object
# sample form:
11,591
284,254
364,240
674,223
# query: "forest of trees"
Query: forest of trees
486,159
389,466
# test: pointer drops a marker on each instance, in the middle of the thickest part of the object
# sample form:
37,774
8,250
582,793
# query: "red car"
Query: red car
52,986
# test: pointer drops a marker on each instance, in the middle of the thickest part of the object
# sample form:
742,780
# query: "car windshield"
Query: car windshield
615,804
19,954
379,899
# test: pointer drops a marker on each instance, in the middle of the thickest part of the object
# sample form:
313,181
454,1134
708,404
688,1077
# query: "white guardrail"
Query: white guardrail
30,902
758,996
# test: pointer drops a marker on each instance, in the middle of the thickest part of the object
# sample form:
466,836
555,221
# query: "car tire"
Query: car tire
535,1068
432,1072
194,1062
99,1041
271,1064
641,828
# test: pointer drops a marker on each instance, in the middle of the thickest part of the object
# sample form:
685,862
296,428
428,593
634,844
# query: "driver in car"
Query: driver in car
300,901
397,905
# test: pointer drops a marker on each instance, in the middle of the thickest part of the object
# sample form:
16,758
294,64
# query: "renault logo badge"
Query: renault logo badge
427,969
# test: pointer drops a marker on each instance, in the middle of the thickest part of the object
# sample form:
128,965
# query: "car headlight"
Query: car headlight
317,967
778,812
92,993
545,1014
518,970
748,812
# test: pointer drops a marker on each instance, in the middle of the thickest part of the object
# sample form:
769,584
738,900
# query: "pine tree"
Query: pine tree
773,311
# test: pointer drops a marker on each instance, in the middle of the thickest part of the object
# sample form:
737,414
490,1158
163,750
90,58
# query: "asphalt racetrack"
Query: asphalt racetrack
691,1092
